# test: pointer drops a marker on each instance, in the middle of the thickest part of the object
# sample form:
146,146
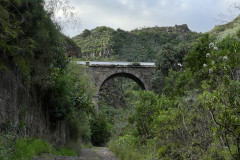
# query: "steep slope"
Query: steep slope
96,43
136,45
71,48
230,28
106,44
35,85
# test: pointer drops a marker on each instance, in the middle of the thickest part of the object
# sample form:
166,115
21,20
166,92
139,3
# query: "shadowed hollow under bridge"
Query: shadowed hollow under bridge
99,72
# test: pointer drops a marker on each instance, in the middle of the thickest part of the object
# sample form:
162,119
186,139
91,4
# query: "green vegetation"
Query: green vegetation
65,152
28,148
100,130
135,64
125,148
13,148
193,112
94,43
196,114
228,29
137,45
32,48
169,58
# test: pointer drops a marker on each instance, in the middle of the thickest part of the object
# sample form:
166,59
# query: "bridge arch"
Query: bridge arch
134,76
100,72
127,75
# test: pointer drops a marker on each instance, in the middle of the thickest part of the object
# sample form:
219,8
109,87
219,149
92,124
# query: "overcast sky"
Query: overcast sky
199,15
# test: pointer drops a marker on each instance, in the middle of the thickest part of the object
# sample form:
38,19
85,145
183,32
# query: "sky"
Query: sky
199,15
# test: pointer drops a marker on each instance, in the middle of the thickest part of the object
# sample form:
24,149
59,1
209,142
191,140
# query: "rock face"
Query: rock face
71,48
105,53
96,43
179,28
22,112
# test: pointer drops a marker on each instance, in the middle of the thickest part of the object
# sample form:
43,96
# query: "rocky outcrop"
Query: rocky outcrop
179,28
71,48
22,111
105,53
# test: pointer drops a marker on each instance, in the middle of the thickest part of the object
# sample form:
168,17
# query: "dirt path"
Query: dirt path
94,153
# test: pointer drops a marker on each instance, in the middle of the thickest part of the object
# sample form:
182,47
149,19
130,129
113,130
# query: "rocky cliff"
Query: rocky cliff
23,112
71,48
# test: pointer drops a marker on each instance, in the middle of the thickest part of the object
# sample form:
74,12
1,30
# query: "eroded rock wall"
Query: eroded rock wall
22,111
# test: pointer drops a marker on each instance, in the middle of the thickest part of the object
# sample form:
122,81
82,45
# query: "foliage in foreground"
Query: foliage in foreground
31,47
100,130
125,148
197,114
12,148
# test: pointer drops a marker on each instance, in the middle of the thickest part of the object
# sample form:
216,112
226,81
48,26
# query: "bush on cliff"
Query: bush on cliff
31,46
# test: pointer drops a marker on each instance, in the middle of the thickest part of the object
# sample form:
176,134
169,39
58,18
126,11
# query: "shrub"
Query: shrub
100,130
12,147
86,33
80,129
27,148
125,148
135,64
102,29
65,152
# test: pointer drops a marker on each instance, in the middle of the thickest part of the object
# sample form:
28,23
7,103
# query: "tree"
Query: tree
64,14
169,57
233,11
86,33
221,94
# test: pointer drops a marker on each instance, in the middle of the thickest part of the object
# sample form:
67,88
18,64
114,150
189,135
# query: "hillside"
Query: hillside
195,114
230,28
136,45
46,100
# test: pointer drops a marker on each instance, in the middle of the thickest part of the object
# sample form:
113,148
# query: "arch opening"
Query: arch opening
118,90
127,75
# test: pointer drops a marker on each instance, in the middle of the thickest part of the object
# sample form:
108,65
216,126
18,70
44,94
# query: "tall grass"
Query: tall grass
27,148
12,148
125,148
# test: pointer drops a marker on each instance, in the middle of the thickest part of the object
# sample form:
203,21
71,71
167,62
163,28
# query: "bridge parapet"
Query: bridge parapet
127,64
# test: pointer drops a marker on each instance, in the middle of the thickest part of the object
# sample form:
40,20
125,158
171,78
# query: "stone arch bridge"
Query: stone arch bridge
99,72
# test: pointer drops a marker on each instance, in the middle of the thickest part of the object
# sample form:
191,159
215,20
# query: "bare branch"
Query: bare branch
233,11
64,14
213,117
